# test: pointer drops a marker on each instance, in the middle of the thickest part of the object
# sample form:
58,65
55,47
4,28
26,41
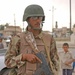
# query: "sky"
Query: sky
60,12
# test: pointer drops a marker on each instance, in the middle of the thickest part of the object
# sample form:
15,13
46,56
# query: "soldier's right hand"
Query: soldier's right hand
31,58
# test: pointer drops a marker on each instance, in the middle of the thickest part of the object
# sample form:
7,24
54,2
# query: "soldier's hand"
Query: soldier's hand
31,58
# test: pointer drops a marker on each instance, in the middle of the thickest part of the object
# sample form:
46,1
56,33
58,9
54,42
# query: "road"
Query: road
2,54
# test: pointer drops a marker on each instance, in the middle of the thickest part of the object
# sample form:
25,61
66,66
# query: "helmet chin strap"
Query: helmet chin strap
41,25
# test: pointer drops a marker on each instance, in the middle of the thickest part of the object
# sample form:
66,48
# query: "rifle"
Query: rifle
44,67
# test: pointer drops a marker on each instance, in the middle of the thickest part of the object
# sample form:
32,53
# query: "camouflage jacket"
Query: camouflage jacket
18,45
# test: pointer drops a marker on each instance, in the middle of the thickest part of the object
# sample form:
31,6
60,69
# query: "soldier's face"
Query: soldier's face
35,21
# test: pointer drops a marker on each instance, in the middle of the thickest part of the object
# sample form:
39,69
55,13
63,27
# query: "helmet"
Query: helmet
33,10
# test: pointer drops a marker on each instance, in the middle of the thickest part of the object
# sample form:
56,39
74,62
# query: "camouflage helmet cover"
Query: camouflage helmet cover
33,10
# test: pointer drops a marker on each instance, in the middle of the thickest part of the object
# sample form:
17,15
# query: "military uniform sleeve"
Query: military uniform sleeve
54,54
12,56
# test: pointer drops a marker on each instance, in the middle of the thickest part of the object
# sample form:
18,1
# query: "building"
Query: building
9,30
62,35
61,32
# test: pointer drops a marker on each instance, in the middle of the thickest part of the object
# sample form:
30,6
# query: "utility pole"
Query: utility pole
52,18
15,23
70,16
23,26
53,9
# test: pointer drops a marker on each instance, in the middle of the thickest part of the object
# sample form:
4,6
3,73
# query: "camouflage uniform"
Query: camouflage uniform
19,45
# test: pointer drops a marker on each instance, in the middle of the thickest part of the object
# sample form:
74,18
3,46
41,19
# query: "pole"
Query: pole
52,18
70,17
23,26
53,9
15,23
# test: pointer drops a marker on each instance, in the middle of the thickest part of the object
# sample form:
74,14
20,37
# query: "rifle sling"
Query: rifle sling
48,54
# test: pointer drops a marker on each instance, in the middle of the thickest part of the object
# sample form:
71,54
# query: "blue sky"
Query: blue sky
61,12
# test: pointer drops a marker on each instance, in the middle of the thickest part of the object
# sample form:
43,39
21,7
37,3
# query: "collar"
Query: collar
66,52
38,36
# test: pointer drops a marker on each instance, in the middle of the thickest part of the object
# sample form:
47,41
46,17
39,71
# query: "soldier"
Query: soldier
22,48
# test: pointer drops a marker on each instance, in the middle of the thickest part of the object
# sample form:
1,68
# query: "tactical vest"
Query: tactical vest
28,68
